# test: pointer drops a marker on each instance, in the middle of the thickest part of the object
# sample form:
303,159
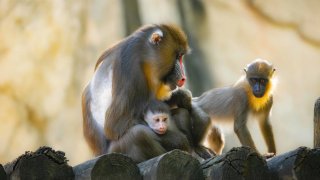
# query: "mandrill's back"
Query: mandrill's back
222,103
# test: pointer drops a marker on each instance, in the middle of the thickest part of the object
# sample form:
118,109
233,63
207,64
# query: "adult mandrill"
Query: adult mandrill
146,65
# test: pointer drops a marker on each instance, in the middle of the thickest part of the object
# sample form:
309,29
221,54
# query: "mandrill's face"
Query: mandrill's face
258,75
258,86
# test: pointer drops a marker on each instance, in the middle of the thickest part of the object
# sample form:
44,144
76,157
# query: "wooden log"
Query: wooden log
45,163
115,166
316,121
238,163
110,166
302,163
175,164
83,170
3,174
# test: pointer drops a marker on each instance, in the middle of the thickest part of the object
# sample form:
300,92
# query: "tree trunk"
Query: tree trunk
194,22
131,15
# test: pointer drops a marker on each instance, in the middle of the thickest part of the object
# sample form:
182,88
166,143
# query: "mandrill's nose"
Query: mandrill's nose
181,81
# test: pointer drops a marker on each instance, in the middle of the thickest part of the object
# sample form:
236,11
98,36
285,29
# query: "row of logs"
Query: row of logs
238,163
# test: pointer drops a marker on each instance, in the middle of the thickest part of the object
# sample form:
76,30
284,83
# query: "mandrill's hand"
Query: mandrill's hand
181,98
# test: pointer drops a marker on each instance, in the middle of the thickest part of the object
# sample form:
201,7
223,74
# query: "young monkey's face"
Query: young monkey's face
158,122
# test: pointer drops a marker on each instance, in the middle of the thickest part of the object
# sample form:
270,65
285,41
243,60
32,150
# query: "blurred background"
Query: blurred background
48,50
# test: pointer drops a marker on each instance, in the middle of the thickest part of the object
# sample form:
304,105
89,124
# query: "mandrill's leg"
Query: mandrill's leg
215,140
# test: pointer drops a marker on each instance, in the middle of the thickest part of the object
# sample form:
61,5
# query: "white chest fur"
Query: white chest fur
101,94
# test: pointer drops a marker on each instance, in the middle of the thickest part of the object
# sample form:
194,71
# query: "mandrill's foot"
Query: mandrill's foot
268,155
204,152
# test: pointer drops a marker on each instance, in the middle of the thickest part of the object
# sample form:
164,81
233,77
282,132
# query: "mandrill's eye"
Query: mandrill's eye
253,80
263,81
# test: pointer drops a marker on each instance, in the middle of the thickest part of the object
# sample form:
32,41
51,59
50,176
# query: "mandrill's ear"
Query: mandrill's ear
156,37
272,72
245,70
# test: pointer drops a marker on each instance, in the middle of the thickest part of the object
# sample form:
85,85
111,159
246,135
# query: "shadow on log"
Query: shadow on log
302,163
45,163
238,163
3,174
175,164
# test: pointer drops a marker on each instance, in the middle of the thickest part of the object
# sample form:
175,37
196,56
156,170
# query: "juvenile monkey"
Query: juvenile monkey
252,94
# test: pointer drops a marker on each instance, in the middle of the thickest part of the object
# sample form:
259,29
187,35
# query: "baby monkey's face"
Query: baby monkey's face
158,122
